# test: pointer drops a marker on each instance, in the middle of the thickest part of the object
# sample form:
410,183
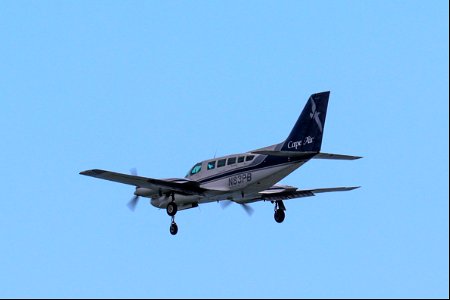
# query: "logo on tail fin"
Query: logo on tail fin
315,114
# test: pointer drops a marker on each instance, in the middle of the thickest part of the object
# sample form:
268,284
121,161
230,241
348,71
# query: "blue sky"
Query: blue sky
160,85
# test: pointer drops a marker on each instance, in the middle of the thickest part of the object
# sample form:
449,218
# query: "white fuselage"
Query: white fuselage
235,177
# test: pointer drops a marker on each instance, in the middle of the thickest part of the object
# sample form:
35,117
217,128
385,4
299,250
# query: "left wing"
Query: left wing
179,185
284,192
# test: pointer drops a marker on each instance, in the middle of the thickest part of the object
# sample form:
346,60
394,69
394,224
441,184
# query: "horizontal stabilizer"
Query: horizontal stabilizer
286,153
336,156
306,155
336,189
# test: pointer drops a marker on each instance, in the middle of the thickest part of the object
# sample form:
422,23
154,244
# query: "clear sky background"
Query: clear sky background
160,85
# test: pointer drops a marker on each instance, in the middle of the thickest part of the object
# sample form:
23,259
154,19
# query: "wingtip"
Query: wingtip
93,172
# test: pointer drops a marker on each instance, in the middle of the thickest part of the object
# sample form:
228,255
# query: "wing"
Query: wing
281,192
179,185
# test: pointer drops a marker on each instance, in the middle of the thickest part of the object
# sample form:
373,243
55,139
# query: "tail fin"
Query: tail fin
308,130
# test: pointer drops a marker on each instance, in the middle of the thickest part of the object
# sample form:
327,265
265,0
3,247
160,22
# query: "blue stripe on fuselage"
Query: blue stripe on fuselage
269,161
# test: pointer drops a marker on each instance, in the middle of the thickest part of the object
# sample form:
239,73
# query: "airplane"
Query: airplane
241,178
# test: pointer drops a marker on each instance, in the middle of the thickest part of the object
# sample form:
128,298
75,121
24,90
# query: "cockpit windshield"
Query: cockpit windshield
195,169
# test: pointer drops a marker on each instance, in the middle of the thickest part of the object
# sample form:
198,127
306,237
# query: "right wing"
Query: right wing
281,192
179,185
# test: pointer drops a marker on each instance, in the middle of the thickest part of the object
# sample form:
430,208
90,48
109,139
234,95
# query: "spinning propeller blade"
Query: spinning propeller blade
248,209
133,202
225,203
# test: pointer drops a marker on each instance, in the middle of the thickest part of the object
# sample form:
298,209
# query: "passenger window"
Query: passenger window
232,160
249,158
197,168
211,165
241,159
221,163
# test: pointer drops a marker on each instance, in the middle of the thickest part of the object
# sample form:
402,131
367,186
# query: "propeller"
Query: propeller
248,209
133,202
133,171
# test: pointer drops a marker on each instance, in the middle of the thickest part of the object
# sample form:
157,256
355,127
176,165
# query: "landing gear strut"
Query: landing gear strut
279,211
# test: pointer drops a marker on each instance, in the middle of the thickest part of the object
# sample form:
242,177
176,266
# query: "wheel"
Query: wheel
279,215
171,209
173,228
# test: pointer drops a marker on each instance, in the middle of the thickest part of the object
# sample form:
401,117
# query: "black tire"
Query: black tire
173,229
171,209
279,215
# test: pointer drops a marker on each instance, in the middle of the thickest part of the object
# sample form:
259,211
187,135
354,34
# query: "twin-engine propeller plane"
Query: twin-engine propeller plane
241,178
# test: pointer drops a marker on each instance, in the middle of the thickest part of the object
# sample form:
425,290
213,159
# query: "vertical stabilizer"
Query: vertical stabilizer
308,130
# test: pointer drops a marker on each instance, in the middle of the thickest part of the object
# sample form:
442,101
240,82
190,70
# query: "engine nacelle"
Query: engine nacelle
144,192
187,206
182,201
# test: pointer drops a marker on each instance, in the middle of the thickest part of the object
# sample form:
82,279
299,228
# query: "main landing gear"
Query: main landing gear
171,211
279,211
